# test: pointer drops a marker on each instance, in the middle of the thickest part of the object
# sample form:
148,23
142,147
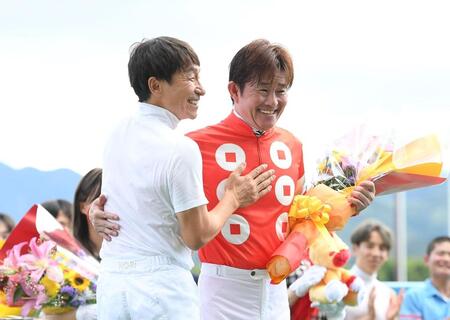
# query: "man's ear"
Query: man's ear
426,259
154,86
234,91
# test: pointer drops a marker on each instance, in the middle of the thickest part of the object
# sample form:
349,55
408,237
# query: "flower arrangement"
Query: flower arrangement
355,158
36,280
75,290
391,166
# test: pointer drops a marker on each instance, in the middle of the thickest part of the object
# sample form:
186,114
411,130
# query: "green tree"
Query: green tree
417,271
387,271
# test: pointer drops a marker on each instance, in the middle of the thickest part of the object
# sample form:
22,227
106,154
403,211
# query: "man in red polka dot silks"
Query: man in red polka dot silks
233,281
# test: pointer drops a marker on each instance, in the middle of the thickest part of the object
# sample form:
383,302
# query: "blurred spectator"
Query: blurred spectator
6,225
432,300
66,212
88,190
61,210
371,243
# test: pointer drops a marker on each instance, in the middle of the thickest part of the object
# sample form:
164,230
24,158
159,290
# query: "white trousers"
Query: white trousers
147,288
228,293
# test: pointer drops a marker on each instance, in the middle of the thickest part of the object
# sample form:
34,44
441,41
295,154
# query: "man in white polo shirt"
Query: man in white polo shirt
152,175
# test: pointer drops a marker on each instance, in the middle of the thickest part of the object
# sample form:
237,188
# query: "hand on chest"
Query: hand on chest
220,159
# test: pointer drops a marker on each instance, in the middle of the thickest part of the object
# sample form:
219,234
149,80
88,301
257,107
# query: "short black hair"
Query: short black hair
52,207
66,208
435,241
363,231
159,57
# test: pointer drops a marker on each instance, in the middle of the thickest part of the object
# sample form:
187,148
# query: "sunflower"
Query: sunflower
51,287
78,282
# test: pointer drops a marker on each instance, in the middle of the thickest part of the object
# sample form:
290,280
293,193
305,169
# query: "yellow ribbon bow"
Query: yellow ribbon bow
312,208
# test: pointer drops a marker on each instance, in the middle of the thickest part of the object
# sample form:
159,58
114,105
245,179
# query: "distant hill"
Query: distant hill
20,189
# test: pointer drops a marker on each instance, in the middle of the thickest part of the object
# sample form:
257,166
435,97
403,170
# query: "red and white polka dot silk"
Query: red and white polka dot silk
251,234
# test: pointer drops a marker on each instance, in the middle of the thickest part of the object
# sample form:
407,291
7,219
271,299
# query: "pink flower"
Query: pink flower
40,261
35,296
24,272
13,258
32,298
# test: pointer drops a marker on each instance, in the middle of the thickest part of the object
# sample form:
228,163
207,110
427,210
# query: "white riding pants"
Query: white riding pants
228,293
146,288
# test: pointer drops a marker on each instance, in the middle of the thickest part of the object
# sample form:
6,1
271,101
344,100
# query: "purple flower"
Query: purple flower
78,301
68,290
93,287
75,303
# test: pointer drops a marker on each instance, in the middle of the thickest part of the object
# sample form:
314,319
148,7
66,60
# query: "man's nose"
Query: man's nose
272,99
200,90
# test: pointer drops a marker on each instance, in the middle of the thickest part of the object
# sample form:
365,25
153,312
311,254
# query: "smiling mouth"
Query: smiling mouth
193,102
268,112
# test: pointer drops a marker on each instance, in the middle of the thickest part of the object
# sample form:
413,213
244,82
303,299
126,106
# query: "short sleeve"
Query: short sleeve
186,181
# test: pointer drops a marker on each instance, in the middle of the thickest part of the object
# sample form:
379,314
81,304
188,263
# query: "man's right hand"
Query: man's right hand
103,221
251,187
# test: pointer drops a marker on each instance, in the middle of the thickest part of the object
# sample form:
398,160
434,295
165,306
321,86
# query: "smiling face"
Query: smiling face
181,96
261,104
438,261
371,254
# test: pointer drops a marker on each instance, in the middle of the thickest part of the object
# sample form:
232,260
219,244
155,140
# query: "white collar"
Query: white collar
147,109
257,132
367,278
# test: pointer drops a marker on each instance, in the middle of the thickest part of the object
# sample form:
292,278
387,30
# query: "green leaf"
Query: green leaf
19,293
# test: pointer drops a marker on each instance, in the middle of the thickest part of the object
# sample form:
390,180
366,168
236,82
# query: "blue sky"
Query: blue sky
63,76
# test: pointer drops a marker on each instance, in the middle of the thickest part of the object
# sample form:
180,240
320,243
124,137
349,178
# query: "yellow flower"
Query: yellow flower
51,287
78,282
5,310
68,274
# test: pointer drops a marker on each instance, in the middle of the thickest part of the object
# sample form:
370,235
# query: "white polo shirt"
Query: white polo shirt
382,297
150,172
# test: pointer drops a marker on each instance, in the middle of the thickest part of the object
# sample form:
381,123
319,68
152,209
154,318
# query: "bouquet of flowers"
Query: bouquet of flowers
73,291
391,167
36,281
355,158
42,267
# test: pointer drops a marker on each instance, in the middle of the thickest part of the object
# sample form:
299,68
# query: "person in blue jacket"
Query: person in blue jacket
432,300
